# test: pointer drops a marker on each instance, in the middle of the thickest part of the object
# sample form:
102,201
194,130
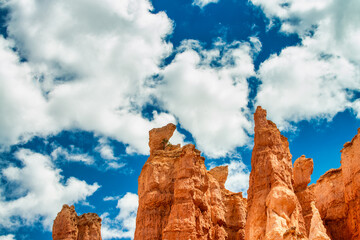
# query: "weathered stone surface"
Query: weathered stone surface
317,229
274,211
303,168
180,199
159,137
329,198
350,165
69,226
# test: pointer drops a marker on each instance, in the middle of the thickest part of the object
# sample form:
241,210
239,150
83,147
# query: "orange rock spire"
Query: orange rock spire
180,199
274,211
69,226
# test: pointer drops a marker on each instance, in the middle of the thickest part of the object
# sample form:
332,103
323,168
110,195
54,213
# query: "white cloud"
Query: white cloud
298,85
22,106
7,237
123,226
87,64
73,156
38,191
315,78
207,91
203,3
105,150
238,177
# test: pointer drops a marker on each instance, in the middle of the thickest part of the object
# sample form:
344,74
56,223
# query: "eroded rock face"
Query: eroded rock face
337,195
329,198
317,229
350,165
274,211
303,168
180,199
69,226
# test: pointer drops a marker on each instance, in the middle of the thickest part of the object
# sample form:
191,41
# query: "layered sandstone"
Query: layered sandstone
329,198
350,165
180,199
69,226
274,211
317,229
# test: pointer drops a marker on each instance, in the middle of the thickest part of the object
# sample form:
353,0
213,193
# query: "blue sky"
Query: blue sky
82,82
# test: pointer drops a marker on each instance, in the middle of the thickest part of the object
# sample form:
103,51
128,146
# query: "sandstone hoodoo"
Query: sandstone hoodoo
179,199
274,211
69,226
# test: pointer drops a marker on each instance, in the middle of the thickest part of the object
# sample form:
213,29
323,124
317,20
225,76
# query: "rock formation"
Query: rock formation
350,165
274,211
317,229
337,194
303,168
329,198
69,226
180,199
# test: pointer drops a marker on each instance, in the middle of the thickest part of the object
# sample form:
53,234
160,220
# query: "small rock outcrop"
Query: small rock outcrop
180,199
69,226
317,229
303,168
274,211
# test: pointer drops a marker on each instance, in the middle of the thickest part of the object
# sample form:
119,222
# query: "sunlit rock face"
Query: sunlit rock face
274,211
350,165
180,199
303,168
329,198
69,226
337,195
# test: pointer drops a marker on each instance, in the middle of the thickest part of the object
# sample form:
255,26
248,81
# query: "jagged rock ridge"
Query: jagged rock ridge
69,226
180,199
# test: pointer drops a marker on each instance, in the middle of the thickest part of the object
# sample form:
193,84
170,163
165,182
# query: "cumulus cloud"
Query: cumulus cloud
316,78
123,226
37,191
81,71
203,3
105,150
238,177
92,73
7,237
300,85
73,156
22,106
207,91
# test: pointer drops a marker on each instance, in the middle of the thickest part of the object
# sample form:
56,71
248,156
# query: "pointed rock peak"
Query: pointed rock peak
68,225
220,173
260,117
159,137
317,229
267,134
303,168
